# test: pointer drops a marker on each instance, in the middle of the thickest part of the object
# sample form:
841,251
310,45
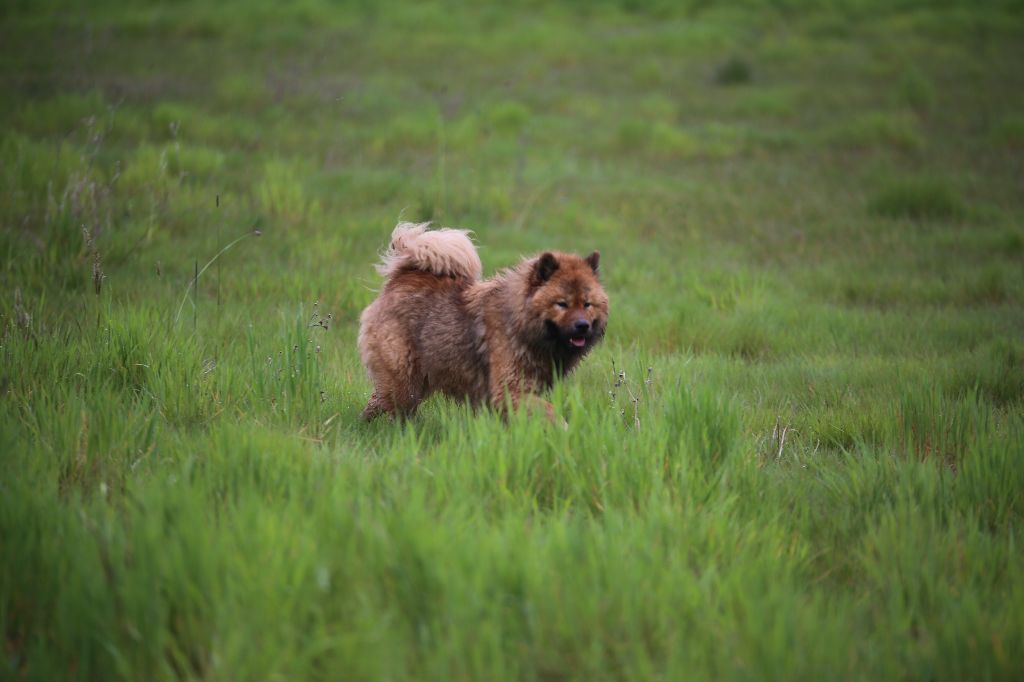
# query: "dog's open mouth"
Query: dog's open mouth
578,341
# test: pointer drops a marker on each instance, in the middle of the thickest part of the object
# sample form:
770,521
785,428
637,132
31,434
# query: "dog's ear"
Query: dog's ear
543,269
593,259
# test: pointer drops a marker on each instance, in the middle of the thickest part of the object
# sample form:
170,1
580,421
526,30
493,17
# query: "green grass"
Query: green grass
811,467
918,199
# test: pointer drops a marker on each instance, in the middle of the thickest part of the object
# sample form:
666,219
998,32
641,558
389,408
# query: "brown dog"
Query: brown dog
436,326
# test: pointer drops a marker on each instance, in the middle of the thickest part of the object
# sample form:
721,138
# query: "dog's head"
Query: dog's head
567,302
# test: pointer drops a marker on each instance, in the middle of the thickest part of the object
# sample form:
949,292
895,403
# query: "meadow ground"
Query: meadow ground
810,467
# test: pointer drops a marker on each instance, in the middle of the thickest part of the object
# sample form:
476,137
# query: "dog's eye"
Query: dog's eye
562,304
586,304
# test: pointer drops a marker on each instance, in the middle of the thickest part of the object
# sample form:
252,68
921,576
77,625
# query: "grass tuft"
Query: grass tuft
1009,132
877,130
918,199
917,91
281,193
734,71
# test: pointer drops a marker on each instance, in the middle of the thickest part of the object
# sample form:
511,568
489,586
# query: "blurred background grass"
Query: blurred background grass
810,215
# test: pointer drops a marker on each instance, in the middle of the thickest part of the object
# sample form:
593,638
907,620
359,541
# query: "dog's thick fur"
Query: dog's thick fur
436,326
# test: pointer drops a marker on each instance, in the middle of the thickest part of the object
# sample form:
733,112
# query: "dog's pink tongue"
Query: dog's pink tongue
579,342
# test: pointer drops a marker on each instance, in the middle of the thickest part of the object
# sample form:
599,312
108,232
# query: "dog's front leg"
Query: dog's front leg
509,391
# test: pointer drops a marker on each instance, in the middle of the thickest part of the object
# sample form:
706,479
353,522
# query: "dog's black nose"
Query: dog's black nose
581,325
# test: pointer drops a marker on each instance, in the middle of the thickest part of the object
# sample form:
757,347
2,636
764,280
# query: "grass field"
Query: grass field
799,453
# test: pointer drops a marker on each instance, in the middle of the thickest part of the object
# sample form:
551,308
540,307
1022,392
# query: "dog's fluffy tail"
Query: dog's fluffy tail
445,252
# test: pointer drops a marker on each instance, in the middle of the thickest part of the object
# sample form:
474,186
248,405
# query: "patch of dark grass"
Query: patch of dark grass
1012,244
990,285
877,130
995,370
1009,132
734,71
929,424
918,199
916,91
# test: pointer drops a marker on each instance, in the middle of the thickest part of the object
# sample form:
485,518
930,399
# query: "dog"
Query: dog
437,326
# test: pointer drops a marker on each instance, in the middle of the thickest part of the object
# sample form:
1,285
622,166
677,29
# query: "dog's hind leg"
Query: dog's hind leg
398,389
398,403
409,392
387,356
375,408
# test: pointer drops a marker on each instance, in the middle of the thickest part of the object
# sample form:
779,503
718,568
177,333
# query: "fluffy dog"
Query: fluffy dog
437,326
